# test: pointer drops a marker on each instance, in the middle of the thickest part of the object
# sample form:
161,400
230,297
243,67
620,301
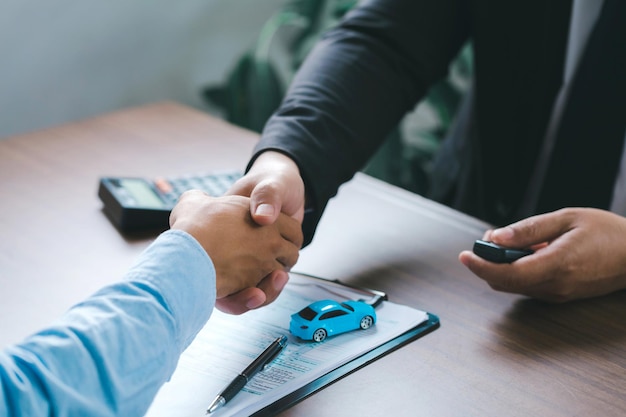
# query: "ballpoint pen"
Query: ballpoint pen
237,384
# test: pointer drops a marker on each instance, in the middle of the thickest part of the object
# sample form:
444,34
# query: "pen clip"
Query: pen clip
271,359
282,343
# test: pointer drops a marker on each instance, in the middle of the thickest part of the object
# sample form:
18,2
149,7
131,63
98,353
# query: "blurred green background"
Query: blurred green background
257,82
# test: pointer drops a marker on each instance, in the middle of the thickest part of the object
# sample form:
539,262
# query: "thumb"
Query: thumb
265,204
532,231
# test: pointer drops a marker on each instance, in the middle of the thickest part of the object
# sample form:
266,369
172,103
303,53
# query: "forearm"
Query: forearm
357,84
109,355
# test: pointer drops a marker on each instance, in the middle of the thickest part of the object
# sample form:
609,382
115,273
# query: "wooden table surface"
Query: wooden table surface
495,354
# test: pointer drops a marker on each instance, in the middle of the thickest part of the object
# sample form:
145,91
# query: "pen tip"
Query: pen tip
217,403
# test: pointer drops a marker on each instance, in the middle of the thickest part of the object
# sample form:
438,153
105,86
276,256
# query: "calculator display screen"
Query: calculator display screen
142,194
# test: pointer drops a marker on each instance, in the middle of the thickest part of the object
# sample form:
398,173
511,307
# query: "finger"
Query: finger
265,203
545,291
290,230
534,230
242,301
187,204
251,298
241,187
517,277
288,259
272,285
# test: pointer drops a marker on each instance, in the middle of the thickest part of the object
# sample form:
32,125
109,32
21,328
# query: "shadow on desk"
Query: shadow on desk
582,328
134,236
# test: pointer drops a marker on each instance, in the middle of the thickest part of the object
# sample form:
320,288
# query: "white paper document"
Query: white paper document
227,345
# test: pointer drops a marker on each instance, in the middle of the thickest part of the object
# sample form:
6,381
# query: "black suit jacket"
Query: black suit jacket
364,76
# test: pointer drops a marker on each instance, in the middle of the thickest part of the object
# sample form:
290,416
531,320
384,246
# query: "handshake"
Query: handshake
251,261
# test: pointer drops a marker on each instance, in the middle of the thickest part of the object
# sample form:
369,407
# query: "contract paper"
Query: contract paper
227,344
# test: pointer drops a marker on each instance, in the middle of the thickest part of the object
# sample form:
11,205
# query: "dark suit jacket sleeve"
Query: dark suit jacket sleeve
357,84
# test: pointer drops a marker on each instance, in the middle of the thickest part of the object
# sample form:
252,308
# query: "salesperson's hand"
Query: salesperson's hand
274,185
579,253
251,261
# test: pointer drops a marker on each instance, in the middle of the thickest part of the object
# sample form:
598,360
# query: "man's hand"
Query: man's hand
251,261
274,185
579,253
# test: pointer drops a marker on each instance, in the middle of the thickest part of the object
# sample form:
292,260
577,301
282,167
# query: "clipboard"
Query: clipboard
191,387
375,298
322,382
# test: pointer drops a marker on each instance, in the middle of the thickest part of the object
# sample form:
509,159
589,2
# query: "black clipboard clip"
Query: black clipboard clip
370,296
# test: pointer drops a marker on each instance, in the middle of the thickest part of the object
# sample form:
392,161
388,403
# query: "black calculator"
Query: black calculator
140,204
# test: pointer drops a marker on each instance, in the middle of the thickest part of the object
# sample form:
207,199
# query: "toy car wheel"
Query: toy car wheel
319,335
366,322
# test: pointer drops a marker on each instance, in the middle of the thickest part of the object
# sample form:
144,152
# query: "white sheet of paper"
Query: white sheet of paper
227,344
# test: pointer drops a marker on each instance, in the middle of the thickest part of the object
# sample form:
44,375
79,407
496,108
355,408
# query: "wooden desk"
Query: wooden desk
494,355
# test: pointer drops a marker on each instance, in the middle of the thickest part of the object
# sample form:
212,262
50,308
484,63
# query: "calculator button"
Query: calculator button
163,185
215,184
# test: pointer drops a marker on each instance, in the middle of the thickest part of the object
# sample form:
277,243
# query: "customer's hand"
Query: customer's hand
579,253
274,185
251,261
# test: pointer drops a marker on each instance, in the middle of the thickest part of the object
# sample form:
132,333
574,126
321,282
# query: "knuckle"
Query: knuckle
265,189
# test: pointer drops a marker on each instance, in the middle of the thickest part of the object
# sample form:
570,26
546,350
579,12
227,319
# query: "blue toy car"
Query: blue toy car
327,318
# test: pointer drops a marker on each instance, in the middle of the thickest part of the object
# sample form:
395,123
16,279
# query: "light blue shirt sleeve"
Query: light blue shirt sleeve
109,355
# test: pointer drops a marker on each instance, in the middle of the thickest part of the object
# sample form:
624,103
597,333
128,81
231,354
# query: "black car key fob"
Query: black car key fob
498,254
